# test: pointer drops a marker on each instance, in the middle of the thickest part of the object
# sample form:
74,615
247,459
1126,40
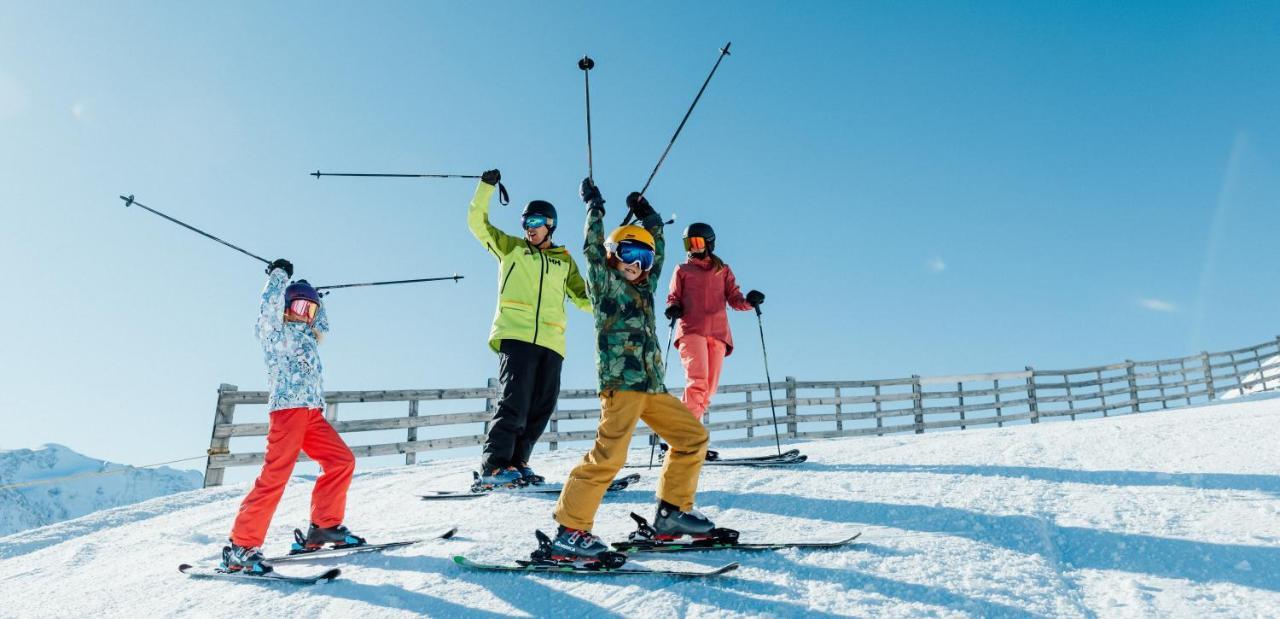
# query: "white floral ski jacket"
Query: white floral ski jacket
294,372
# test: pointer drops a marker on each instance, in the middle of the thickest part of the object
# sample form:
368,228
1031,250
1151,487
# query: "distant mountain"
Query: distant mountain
90,485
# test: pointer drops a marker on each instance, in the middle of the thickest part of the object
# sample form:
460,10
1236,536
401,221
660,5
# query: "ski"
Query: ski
774,461
786,455
658,546
620,483
530,567
326,553
212,572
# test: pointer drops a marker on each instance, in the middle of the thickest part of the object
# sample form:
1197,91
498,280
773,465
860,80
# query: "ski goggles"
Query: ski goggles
631,252
695,244
537,221
302,310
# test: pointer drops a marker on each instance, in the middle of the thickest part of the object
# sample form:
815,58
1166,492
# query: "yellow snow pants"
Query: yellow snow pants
619,412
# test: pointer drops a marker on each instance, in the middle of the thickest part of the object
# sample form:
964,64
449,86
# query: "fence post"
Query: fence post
960,391
555,426
412,456
792,426
879,410
751,418
1031,395
839,413
1133,386
1208,375
331,411
224,413
491,404
917,403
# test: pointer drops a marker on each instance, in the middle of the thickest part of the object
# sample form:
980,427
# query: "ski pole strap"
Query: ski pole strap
503,198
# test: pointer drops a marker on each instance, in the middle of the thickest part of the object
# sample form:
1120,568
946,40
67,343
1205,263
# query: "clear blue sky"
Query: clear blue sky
918,187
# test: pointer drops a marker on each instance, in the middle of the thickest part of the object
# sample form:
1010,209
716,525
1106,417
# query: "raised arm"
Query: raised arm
271,313
593,244
496,241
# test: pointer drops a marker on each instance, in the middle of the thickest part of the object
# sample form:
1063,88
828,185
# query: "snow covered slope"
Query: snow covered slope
27,506
1160,514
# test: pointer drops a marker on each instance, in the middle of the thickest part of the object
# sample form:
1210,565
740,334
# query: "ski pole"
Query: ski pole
724,51
454,277
671,331
129,201
772,407
503,198
587,64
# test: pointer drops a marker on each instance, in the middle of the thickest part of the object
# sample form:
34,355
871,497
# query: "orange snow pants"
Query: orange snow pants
619,412
702,358
293,430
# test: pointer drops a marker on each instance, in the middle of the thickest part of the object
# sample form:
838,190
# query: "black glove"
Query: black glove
591,195
673,312
639,205
491,176
755,298
283,264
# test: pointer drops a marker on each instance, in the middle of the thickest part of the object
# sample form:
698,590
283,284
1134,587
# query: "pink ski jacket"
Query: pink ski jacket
703,292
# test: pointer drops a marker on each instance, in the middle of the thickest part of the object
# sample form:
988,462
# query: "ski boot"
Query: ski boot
236,559
672,526
497,478
711,455
576,548
317,537
528,477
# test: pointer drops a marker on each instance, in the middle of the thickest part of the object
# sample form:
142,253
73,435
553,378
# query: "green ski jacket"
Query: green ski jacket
533,284
626,333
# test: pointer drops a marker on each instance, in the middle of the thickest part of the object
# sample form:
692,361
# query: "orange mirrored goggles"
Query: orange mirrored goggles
302,310
695,244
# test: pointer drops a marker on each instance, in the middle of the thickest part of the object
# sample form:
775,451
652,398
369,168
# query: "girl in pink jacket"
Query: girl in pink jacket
700,288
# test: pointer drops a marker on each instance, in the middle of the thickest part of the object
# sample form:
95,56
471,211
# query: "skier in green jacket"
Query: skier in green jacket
535,278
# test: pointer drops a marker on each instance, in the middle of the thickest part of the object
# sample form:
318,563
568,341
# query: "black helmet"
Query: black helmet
544,208
703,231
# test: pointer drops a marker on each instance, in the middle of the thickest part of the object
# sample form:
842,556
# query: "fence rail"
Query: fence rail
806,409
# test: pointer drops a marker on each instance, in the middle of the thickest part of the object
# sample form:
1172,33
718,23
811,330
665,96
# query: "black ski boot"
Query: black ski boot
672,526
237,558
577,548
317,537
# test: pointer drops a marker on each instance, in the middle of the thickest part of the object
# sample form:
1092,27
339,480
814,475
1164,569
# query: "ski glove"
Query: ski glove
491,176
755,298
283,265
591,195
639,206
673,312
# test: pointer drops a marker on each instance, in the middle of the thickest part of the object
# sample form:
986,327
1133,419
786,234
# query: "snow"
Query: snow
85,485
1172,513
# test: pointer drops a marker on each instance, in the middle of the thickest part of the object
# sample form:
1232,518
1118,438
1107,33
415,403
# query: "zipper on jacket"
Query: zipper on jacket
505,279
537,313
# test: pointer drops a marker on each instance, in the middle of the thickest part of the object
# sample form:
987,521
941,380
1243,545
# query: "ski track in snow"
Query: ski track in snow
1174,513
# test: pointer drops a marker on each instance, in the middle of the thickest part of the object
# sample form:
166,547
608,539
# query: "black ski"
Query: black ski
327,553
657,546
774,461
530,567
620,483
196,571
786,455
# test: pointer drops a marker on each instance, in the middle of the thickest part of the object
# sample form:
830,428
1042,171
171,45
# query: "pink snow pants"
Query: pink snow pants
702,357
293,430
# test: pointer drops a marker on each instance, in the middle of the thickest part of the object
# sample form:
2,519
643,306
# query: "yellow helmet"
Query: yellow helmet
628,233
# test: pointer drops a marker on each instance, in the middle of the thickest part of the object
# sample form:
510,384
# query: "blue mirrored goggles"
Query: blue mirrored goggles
537,221
630,252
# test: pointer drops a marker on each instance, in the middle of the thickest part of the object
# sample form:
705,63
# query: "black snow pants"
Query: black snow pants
529,384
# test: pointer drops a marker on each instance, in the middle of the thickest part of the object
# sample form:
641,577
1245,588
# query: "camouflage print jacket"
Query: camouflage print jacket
626,335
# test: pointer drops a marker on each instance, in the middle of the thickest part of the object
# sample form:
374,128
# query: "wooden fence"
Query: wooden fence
805,409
